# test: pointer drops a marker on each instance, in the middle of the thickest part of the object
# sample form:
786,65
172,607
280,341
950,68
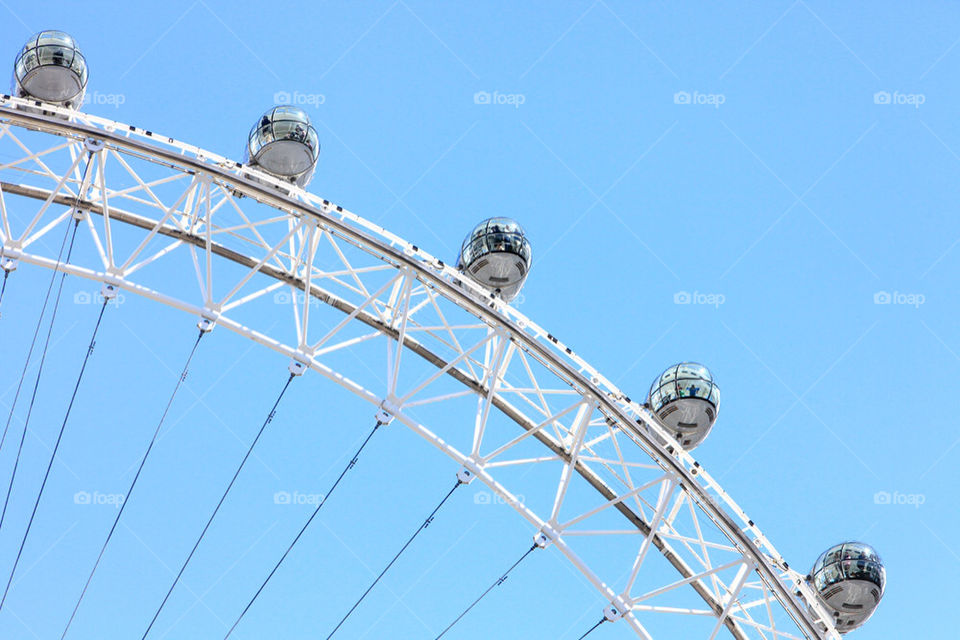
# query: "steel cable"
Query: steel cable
53,454
349,466
497,583
216,509
423,526
126,501
43,359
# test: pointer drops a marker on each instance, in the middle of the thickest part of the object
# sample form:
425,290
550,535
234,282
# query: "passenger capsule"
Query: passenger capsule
686,399
849,578
497,255
284,144
50,68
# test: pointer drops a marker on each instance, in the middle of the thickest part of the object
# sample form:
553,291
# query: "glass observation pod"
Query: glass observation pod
50,68
284,144
687,400
497,255
849,578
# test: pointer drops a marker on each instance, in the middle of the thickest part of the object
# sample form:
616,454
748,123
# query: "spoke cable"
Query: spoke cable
53,454
36,332
423,526
592,629
43,358
126,501
56,267
498,582
349,466
3,287
216,509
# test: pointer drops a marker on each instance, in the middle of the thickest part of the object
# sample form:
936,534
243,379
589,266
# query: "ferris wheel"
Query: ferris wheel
242,246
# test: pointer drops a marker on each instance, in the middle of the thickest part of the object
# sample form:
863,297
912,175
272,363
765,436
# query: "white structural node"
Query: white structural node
599,476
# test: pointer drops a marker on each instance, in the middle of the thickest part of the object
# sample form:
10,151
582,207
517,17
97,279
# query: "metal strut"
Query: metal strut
423,526
126,501
56,446
216,509
497,583
43,358
350,465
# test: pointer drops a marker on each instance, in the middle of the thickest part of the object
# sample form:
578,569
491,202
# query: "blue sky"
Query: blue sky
787,167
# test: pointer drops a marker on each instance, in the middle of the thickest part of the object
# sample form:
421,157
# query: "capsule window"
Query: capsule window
692,389
833,555
56,55
667,393
27,63
831,575
54,38
656,399
714,396
288,130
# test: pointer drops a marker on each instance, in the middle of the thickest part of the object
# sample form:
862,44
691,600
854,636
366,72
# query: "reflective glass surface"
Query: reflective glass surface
53,37
53,48
684,380
284,123
849,561
828,576
500,235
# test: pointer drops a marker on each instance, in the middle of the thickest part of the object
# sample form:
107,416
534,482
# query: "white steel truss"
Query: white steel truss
252,240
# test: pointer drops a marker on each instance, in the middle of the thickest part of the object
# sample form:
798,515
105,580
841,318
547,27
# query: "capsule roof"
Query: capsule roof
684,380
496,235
496,225
849,561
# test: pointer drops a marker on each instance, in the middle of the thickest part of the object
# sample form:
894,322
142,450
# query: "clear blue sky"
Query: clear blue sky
786,188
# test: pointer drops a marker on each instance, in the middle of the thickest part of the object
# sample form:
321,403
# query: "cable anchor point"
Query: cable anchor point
612,613
93,145
297,368
108,291
384,415
542,539
465,476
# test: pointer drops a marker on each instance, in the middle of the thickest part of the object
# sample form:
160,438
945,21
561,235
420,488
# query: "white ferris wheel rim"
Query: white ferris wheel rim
783,584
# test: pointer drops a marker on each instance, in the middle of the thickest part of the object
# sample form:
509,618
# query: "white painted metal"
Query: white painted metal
607,463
